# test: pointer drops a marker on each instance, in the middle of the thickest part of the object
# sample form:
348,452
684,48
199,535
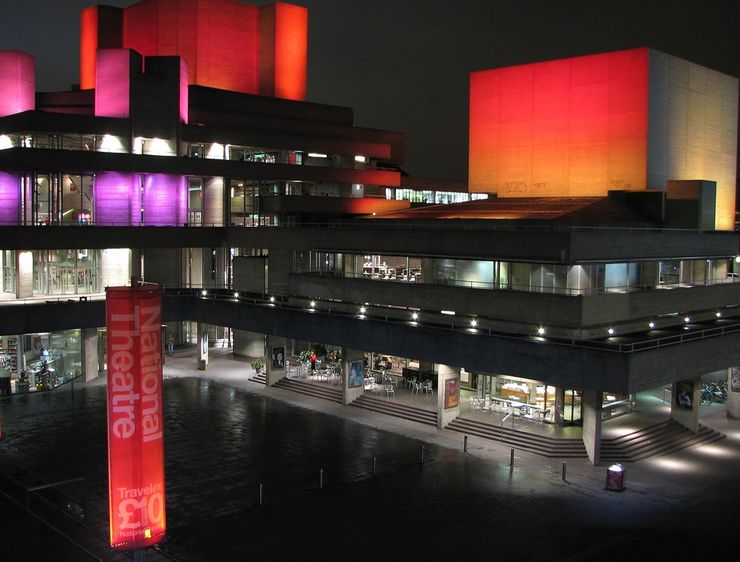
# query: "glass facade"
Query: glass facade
581,279
41,361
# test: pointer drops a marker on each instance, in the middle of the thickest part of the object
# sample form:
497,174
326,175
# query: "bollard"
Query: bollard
511,462
465,444
422,454
374,462
563,475
321,479
260,494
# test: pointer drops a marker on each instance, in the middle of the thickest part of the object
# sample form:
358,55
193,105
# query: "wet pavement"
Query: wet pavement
226,435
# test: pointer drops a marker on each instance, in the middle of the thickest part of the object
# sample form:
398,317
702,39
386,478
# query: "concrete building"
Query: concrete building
277,223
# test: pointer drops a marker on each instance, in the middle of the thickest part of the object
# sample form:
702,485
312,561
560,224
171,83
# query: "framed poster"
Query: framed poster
735,379
685,395
355,374
452,394
278,357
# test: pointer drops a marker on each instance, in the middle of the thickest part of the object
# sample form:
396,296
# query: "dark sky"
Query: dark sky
404,64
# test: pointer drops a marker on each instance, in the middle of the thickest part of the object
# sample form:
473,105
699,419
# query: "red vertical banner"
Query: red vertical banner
135,425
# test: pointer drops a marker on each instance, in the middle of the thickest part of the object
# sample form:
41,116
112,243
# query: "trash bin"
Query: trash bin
615,477
202,365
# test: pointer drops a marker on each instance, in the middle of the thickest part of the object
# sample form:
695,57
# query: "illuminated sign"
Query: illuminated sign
135,425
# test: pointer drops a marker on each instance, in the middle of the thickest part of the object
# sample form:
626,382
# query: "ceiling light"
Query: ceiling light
316,155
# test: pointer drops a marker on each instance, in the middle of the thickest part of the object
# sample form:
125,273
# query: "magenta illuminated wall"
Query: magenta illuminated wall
113,76
164,199
184,93
9,198
117,199
17,82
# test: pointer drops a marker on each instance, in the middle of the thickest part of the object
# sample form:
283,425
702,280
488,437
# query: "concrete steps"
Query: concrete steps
396,409
325,392
659,439
261,378
531,442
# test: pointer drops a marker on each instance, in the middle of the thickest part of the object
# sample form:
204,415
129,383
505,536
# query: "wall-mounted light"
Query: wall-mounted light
204,292
272,299
611,331
317,155
718,314
361,159
687,319
651,325
473,323
541,331
313,303
362,310
236,295
415,316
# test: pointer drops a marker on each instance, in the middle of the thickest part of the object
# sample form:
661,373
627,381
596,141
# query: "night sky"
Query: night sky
404,64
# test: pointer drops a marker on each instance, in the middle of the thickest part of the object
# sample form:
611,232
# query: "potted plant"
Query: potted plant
257,365
304,356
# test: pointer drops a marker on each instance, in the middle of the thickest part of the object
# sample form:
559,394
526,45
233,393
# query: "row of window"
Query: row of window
581,279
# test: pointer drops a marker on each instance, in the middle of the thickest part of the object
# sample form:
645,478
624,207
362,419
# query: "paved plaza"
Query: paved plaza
226,435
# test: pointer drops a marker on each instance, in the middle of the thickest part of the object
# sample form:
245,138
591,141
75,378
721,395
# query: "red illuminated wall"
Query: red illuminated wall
100,29
283,44
571,127
219,39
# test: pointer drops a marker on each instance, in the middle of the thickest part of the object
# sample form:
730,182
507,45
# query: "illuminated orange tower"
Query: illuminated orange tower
226,44
633,120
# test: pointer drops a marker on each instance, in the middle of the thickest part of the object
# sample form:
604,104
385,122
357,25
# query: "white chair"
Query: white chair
389,390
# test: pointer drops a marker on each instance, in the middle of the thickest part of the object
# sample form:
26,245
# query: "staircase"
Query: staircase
372,403
531,442
259,378
659,439
325,392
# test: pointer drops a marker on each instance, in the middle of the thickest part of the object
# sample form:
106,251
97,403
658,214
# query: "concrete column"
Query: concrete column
686,398
559,405
249,344
350,374
591,413
136,265
275,372
447,373
23,274
202,346
90,359
733,396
